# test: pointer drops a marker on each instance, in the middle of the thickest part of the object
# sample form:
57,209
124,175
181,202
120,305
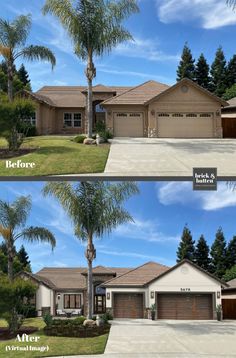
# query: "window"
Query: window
72,301
73,120
205,115
177,115
121,114
193,115
163,115
31,120
135,115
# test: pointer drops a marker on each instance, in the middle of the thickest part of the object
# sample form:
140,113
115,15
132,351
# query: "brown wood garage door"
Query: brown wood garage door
184,306
128,305
229,308
229,127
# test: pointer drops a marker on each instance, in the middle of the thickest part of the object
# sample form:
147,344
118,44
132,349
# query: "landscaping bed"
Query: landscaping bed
7,154
72,330
5,334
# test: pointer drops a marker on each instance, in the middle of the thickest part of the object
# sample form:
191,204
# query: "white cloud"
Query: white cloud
146,230
182,193
146,49
211,14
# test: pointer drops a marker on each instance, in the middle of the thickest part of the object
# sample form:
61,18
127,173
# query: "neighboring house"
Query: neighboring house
151,109
229,300
184,291
229,119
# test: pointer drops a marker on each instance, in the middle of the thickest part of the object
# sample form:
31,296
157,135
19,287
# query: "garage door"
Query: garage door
184,306
185,125
128,305
128,124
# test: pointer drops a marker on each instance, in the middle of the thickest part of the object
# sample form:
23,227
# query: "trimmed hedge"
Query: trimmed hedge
74,329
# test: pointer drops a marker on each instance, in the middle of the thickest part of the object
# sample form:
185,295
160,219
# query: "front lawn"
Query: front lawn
57,155
58,346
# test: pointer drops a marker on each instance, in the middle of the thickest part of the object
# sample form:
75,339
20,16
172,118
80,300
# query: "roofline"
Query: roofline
192,264
35,97
136,268
31,275
218,99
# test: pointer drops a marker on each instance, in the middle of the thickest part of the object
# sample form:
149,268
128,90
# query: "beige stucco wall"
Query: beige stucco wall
59,121
44,298
110,110
177,101
45,119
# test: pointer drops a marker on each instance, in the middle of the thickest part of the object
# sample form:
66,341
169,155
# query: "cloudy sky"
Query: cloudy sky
159,30
160,212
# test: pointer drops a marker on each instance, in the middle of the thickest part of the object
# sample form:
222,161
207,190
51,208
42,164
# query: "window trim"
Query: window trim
72,294
29,120
72,119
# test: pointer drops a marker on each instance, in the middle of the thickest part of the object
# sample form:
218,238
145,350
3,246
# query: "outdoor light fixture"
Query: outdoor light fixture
152,294
152,112
58,296
108,295
218,294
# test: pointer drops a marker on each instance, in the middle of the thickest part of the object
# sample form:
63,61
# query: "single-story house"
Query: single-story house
184,291
229,119
151,109
229,300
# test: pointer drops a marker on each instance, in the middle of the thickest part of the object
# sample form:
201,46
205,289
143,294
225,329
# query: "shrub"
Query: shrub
48,320
106,135
79,138
27,129
100,127
107,317
28,311
79,320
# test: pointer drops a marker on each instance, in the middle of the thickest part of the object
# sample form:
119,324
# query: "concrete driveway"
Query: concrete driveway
170,157
144,338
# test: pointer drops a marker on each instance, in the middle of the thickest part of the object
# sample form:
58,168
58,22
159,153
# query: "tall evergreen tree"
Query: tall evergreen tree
231,253
23,76
186,248
219,73
218,254
24,258
202,73
231,72
202,258
186,65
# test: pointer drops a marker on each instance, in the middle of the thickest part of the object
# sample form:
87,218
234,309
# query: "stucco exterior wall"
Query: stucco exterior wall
59,121
110,110
45,119
193,100
44,298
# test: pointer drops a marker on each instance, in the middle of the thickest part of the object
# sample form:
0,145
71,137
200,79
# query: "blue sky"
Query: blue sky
160,212
159,31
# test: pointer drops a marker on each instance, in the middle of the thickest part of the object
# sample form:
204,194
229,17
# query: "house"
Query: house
229,119
184,291
229,300
151,109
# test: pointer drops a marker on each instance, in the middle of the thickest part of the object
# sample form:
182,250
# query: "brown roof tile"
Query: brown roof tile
65,96
139,276
138,95
64,278
232,283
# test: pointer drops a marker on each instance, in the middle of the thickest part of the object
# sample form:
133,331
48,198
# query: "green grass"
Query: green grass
57,155
58,346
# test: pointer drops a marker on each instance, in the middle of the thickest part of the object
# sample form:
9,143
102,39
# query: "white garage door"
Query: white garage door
128,124
185,125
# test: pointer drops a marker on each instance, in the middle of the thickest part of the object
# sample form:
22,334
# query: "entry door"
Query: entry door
99,304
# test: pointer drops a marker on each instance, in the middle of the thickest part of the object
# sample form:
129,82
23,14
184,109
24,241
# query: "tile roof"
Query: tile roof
64,278
232,102
138,95
64,96
232,283
139,276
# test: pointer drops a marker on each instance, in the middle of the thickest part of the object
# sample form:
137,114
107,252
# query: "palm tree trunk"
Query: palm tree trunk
10,258
90,74
10,80
90,255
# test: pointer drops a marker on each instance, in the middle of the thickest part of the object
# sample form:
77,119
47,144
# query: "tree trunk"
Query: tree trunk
90,74
90,255
10,258
10,80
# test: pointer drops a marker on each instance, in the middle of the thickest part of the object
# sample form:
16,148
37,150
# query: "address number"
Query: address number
185,289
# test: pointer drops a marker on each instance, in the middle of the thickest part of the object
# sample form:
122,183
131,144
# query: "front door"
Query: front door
99,304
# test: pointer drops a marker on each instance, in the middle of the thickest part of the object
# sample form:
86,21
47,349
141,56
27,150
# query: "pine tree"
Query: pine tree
219,73
202,253
202,73
24,258
23,75
231,253
186,248
231,72
218,254
186,65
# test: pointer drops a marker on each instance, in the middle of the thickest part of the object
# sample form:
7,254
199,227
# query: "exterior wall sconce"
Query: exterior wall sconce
58,296
218,294
108,296
109,113
152,112
217,113
152,294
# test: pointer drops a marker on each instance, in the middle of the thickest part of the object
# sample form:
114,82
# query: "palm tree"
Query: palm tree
13,219
13,36
96,208
231,3
95,28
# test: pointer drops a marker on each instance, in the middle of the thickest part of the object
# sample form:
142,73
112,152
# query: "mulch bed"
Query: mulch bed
5,334
6,154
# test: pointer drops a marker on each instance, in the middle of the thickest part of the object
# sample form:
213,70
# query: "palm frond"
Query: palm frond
32,53
231,3
38,234
5,51
21,26
15,215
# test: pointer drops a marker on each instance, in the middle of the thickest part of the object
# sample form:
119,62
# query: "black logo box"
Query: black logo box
204,178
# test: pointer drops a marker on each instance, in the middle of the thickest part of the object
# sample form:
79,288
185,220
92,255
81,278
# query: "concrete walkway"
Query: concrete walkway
169,157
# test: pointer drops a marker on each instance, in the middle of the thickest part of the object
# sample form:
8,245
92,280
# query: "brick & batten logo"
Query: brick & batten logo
204,178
